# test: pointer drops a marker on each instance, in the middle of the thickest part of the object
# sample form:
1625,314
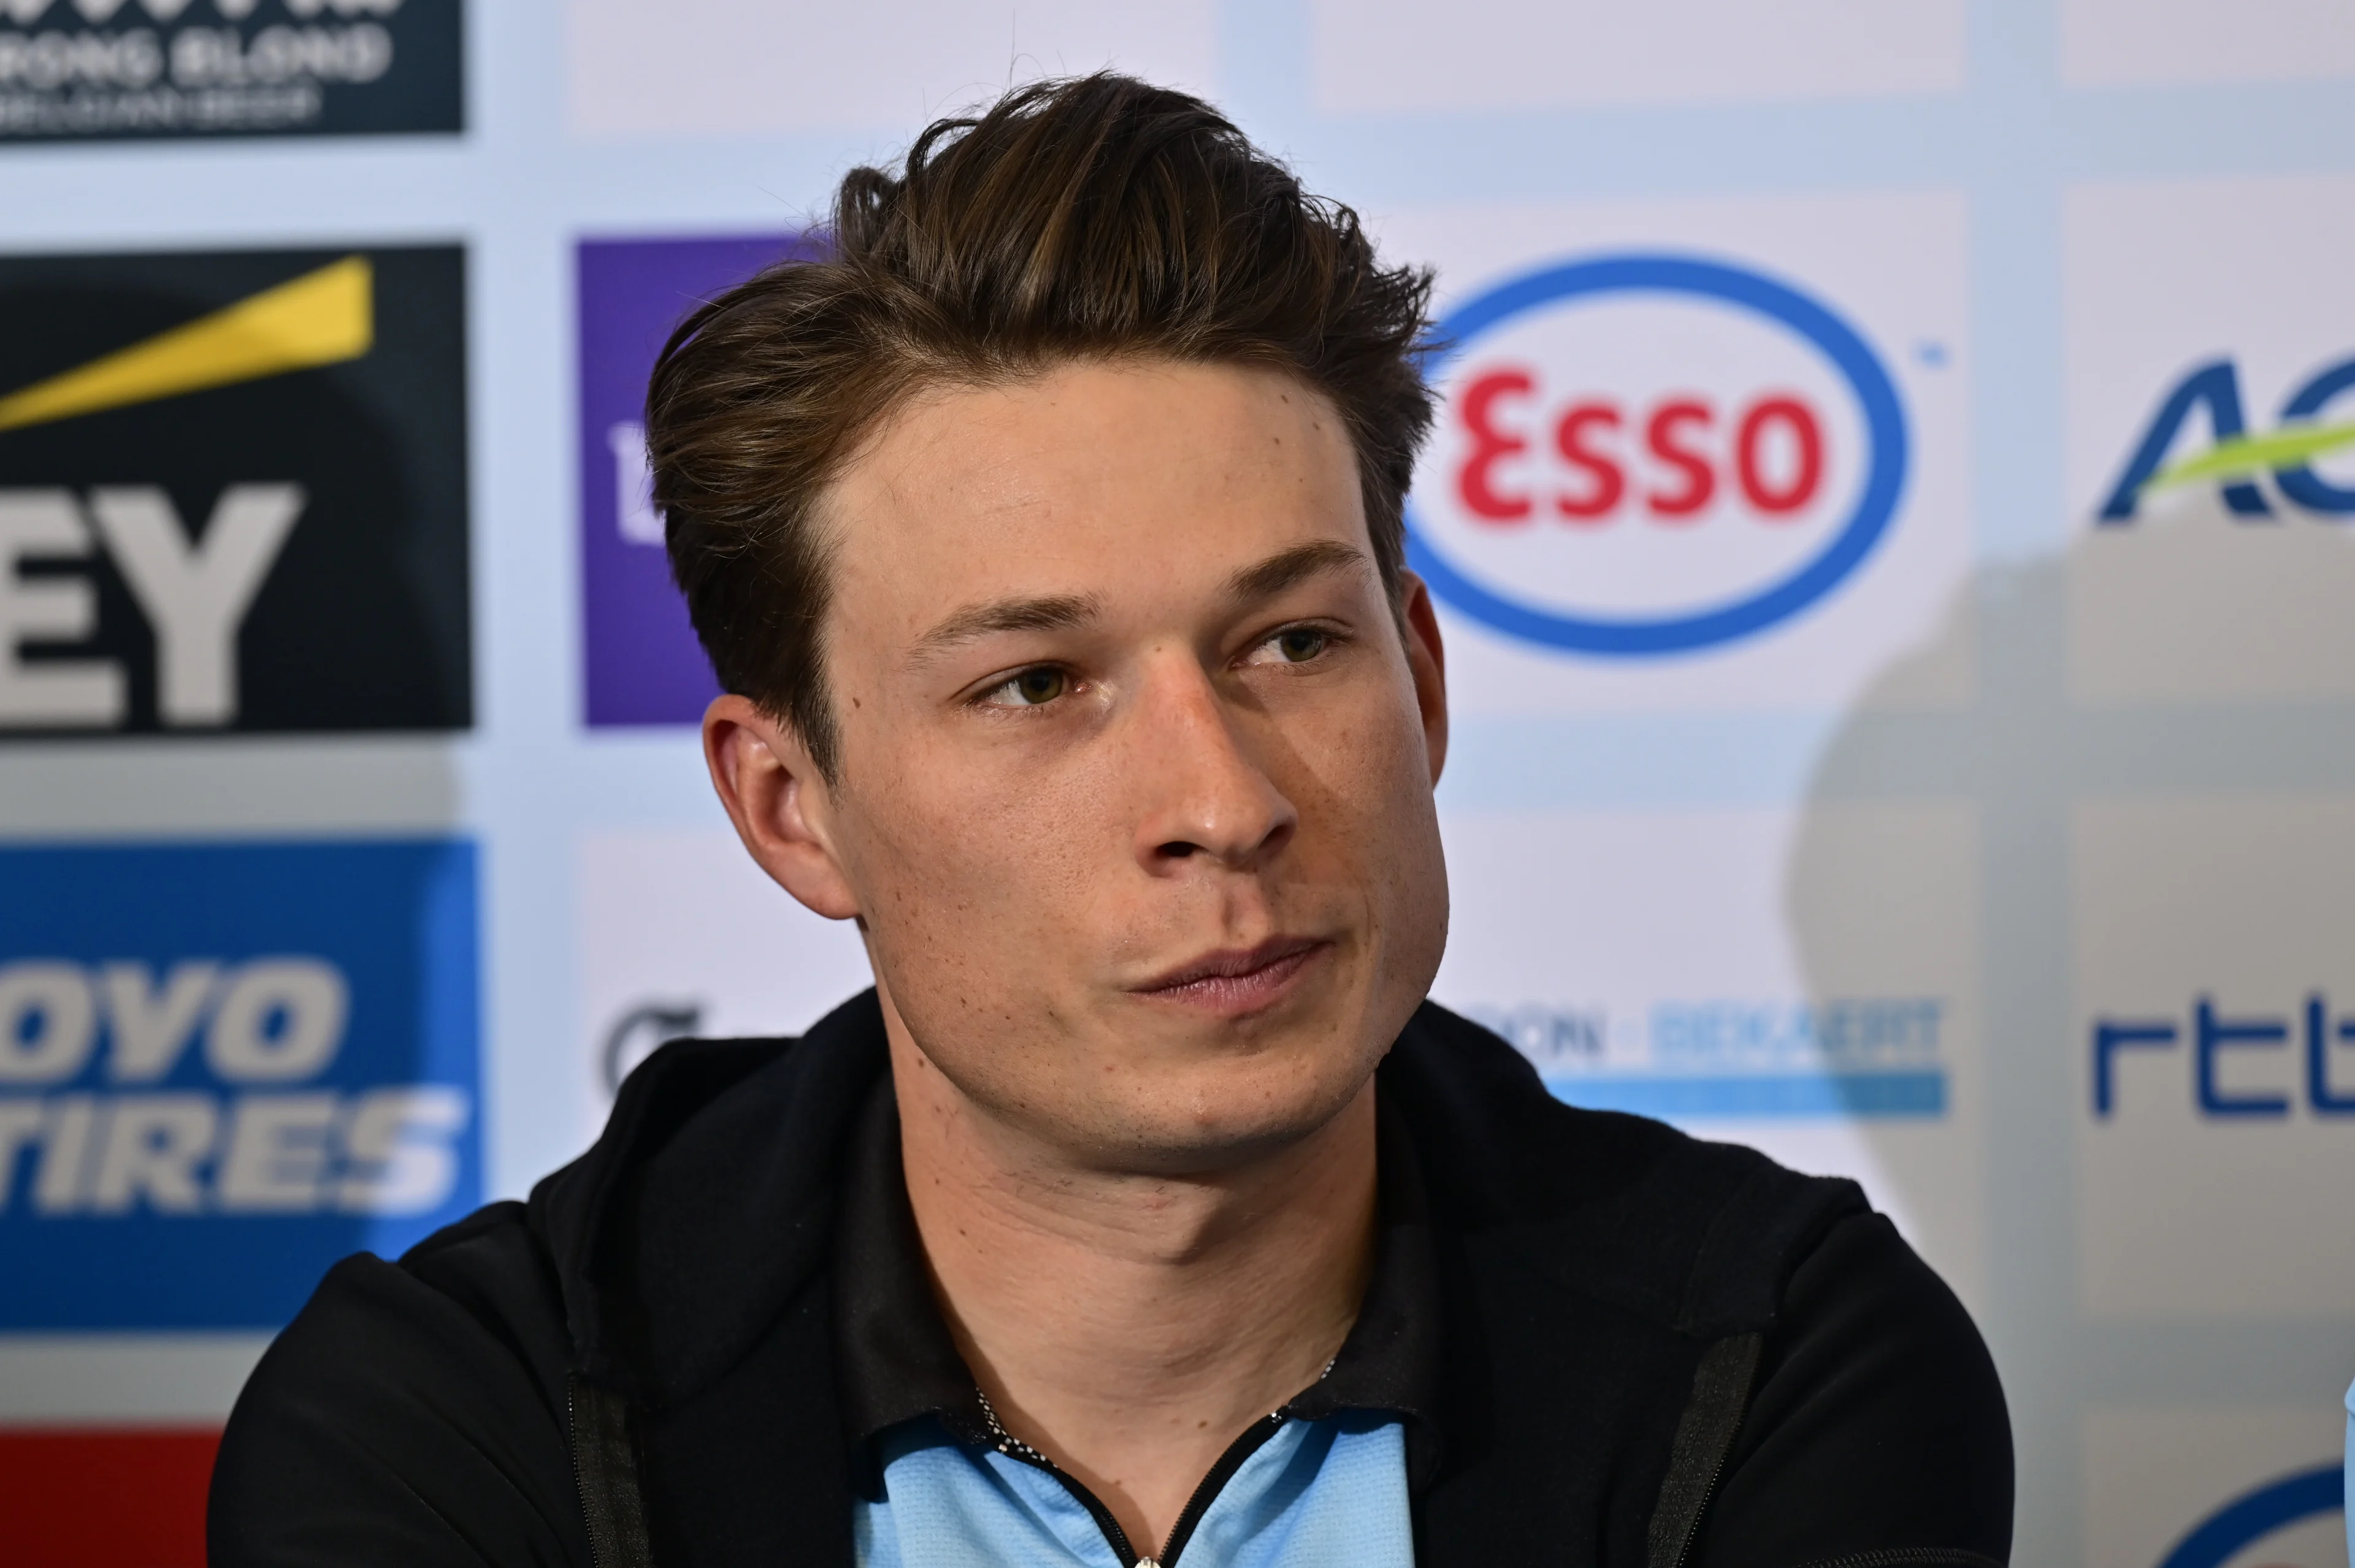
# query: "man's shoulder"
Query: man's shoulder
1701,1237
430,1396
426,1397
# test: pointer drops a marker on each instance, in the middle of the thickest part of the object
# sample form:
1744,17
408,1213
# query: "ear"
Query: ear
1426,658
779,802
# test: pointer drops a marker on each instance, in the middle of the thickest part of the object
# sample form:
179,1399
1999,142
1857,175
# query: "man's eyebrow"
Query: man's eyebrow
1281,570
1053,613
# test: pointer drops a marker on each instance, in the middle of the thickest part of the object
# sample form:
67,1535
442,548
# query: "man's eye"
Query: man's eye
1038,683
1298,645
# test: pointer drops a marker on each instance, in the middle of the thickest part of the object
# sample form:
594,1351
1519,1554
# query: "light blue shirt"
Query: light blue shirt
1317,1494
2348,1471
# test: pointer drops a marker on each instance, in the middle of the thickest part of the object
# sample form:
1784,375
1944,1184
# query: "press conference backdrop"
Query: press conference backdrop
1893,516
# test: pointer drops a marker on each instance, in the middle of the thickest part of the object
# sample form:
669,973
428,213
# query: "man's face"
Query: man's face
1135,794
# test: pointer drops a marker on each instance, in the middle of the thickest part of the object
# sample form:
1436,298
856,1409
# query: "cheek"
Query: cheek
1365,773
965,873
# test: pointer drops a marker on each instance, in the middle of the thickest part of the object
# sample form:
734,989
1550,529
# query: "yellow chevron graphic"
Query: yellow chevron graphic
320,318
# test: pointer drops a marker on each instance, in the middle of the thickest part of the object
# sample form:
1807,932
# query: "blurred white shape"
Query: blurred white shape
633,485
733,67
681,934
1394,56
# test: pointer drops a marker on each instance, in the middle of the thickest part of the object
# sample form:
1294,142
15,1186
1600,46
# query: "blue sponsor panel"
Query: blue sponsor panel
224,1066
1676,1096
1862,1058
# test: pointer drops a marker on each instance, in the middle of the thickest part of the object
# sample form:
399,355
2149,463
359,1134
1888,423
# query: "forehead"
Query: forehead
1096,478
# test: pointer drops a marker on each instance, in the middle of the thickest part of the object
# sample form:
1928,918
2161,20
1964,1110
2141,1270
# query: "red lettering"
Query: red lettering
1605,483
1474,481
1699,480
1806,455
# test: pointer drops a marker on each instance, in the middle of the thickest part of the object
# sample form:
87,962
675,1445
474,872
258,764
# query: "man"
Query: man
1047,539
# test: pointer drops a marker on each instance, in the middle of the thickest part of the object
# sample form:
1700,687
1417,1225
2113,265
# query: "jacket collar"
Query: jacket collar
711,1200
895,1360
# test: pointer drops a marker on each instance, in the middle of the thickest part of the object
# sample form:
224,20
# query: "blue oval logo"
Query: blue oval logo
1767,452
2257,1513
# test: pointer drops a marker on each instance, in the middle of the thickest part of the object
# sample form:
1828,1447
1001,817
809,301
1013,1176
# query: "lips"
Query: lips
1236,980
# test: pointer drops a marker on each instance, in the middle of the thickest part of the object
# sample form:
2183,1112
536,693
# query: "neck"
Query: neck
1131,1326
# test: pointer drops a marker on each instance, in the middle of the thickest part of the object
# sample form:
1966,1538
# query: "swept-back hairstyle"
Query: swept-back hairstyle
1098,217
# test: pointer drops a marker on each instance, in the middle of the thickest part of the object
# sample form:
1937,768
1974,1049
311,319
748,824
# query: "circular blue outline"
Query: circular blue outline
2257,1513
1884,479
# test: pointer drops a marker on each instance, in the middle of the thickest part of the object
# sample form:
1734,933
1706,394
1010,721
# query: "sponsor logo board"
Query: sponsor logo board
1803,982
108,70
121,1499
2211,442
1693,456
1406,56
2216,1487
731,67
224,1066
2118,43
682,934
641,662
2215,1117
233,492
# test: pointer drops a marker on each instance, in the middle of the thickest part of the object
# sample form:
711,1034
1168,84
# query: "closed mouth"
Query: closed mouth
1238,979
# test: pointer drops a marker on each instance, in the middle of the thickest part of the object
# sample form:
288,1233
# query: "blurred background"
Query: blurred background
1894,516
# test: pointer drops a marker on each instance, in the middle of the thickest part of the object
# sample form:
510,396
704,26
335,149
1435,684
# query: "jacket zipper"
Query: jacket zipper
572,1453
1205,1492
1708,1496
1214,1481
1013,1447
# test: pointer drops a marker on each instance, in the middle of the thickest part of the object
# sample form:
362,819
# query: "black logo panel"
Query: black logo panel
74,70
233,493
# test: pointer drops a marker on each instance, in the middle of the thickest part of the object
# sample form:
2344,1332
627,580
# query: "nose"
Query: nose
1203,795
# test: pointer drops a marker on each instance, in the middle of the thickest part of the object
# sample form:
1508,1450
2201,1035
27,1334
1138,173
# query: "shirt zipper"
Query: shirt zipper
1205,1492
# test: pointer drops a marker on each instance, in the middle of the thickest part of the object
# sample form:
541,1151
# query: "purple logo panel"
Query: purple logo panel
641,664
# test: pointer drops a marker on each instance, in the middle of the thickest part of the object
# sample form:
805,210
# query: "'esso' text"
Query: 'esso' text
1603,461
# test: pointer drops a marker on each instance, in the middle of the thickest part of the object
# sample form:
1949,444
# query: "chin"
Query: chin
1227,1113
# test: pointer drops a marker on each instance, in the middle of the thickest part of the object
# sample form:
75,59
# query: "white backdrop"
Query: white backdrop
1863,881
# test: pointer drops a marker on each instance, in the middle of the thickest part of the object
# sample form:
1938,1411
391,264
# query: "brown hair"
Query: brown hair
1092,217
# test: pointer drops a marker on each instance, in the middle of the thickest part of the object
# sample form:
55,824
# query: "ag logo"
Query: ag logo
1649,454
232,493
2236,456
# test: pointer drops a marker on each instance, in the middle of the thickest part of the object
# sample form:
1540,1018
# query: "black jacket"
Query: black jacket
1657,1352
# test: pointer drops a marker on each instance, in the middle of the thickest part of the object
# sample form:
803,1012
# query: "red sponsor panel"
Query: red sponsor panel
105,1499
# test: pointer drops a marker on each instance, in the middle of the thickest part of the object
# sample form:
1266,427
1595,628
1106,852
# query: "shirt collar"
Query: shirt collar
896,1361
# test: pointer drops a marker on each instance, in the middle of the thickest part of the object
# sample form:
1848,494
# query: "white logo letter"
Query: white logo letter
277,1153
20,1129
153,1145
58,995
282,1019
398,1141
150,1028
196,595
49,609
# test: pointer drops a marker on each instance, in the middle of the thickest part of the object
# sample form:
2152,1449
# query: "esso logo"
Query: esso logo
2276,1523
1648,454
